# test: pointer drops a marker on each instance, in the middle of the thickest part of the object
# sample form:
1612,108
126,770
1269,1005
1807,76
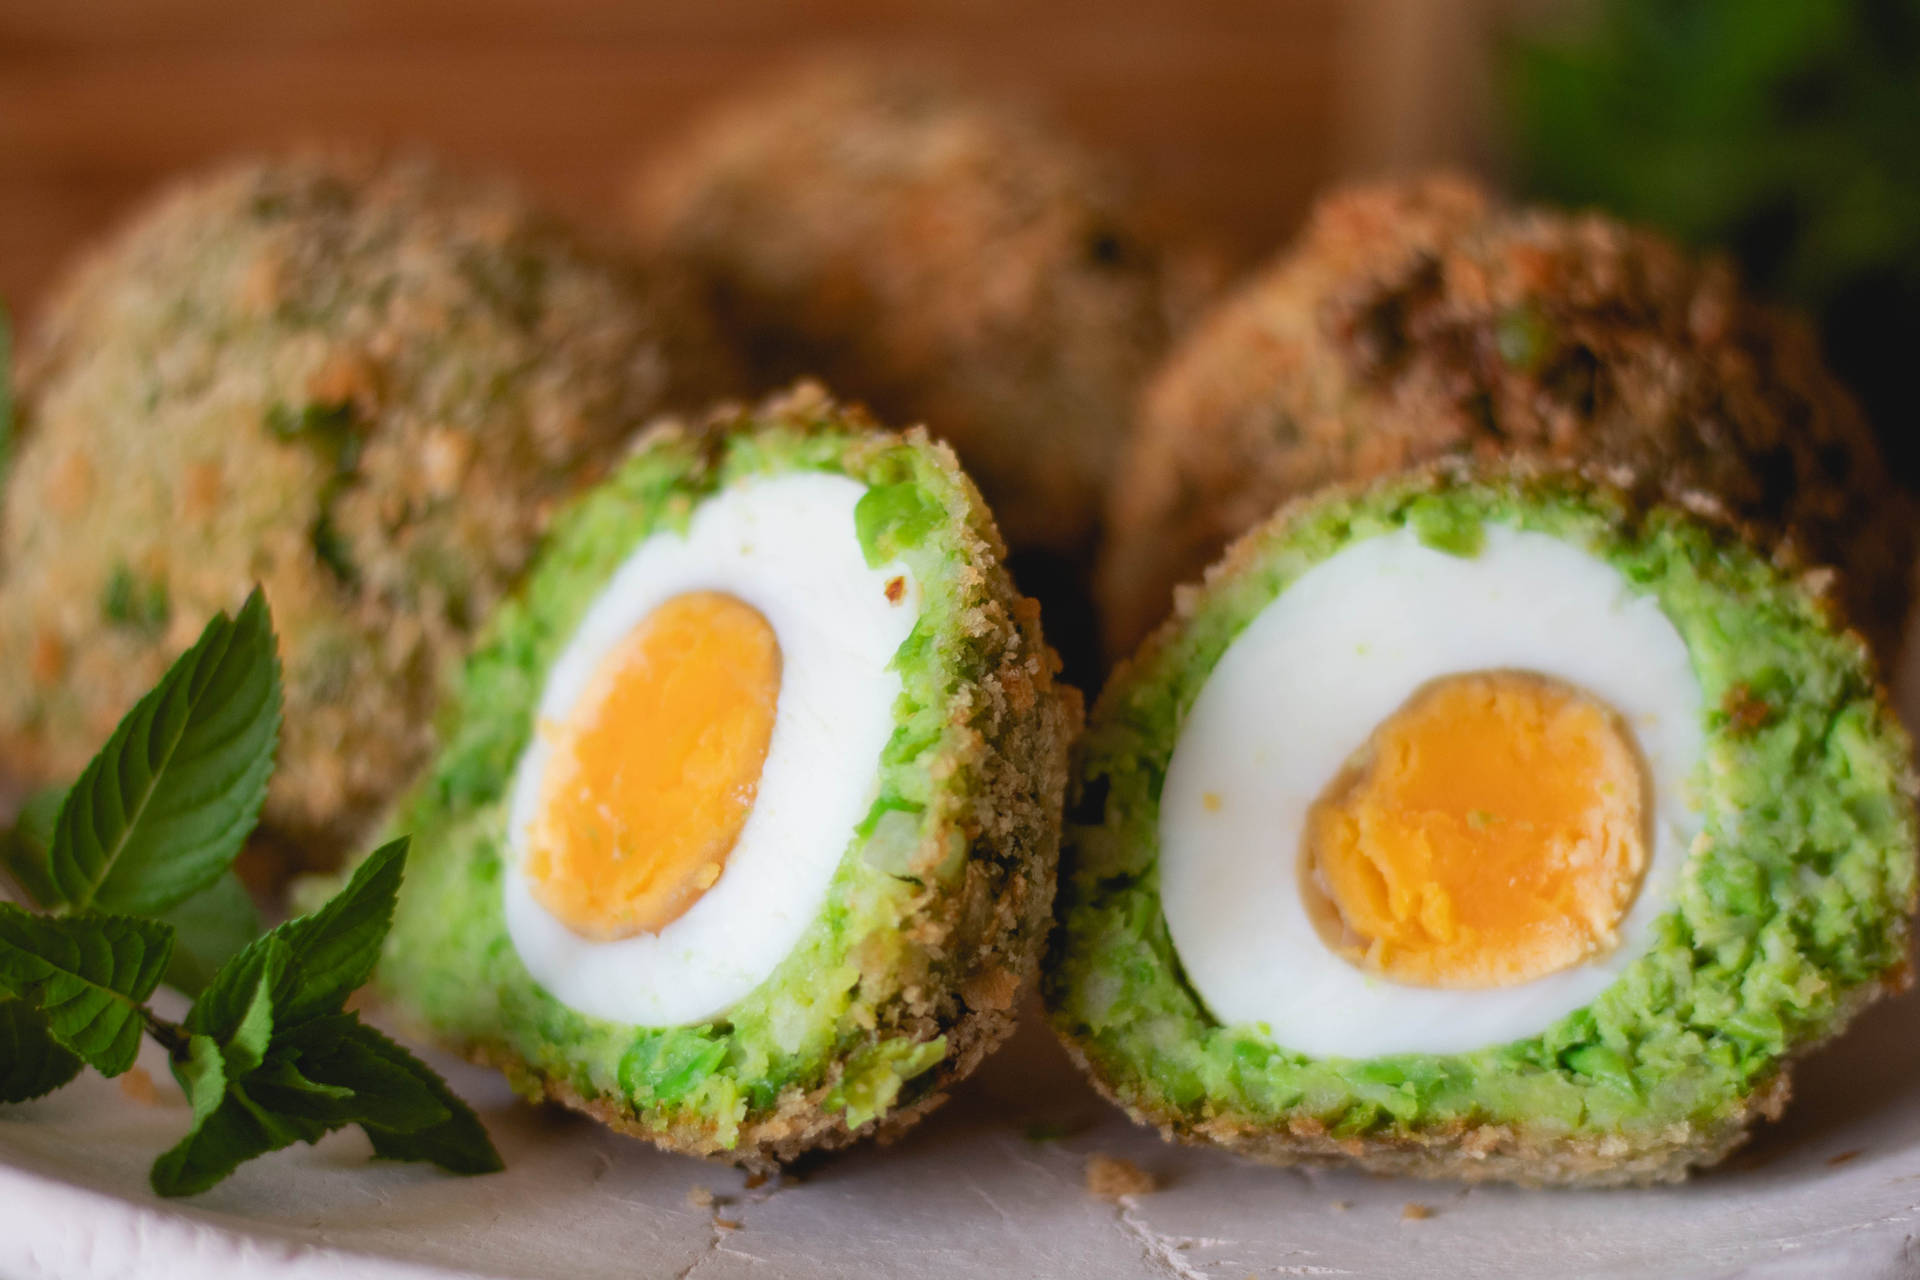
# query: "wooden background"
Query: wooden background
1228,113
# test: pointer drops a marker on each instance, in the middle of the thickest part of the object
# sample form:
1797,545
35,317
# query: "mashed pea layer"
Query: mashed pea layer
1795,901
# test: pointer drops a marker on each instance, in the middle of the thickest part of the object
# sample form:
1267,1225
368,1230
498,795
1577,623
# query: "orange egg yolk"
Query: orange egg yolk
652,776
1492,831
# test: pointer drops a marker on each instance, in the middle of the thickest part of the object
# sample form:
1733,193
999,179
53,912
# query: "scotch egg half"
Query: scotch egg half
744,831
1429,802
1485,822
706,744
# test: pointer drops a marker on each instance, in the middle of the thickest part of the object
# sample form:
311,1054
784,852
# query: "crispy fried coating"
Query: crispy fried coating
359,381
1415,321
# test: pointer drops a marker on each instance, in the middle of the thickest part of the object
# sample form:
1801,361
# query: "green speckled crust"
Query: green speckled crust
937,914
1793,912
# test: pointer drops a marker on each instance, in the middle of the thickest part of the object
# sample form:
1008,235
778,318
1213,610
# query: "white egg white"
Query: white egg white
1303,687
786,545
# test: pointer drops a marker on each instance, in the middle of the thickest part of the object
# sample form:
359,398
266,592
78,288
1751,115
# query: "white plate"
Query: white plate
1833,1190
968,1193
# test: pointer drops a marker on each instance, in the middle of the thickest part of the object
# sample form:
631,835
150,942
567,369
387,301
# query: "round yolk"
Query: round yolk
652,776
1492,831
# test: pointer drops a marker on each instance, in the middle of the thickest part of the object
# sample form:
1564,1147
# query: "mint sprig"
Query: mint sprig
132,867
271,1058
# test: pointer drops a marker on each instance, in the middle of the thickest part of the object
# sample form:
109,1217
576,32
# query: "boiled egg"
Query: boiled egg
706,744
1429,802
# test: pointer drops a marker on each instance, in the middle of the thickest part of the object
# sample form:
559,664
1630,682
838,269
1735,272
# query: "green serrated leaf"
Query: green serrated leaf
160,813
210,928
89,974
316,961
346,1084
25,847
335,948
32,1062
458,1144
246,1048
202,1075
239,1007
234,1132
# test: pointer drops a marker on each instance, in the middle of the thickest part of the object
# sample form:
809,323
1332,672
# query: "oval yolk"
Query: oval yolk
1492,831
653,775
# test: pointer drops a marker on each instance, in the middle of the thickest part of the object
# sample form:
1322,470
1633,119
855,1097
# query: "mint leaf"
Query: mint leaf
247,1042
202,1076
209,929
24,849
32,1062
233,1132
164,807
89,975
335,948
458,1144
238,1007
345,1083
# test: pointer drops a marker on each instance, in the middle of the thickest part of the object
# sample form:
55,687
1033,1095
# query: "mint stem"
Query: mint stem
169,1036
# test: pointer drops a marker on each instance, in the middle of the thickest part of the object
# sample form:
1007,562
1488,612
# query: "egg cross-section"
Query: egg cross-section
743,834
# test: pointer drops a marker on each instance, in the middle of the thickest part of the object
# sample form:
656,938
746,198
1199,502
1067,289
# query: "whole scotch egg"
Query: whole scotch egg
360,381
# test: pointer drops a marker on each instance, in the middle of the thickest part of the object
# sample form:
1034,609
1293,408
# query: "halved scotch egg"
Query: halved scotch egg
1483,824
744,834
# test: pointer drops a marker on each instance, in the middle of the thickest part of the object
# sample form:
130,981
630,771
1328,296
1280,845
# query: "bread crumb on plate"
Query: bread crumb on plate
1112,1178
